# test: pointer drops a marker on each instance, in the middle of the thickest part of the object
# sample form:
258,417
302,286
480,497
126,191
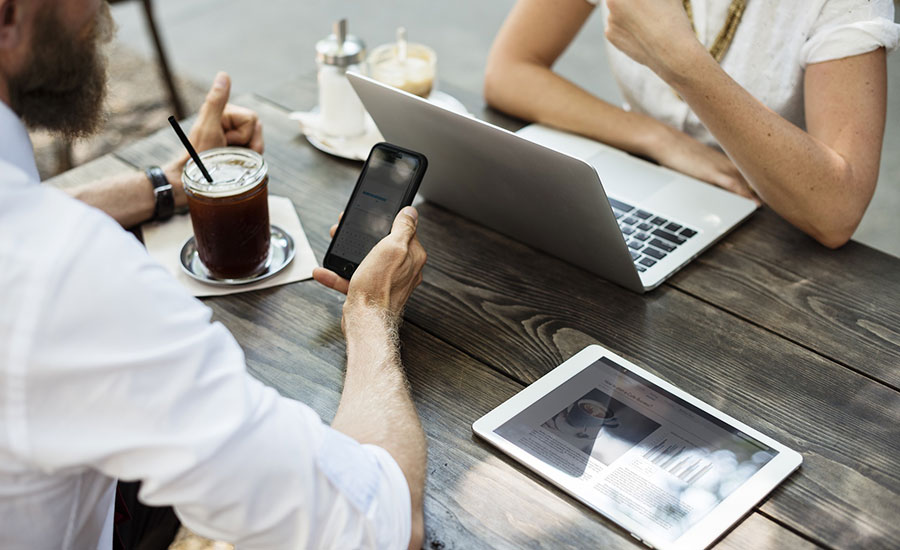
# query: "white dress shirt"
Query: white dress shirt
773,44
108,369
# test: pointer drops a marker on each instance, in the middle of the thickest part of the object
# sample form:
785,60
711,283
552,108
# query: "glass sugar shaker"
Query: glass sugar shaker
343,115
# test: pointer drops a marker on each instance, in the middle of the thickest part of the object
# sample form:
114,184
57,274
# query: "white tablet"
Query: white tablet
670,469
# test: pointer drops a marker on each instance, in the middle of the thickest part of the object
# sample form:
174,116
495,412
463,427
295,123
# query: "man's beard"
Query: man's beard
63,86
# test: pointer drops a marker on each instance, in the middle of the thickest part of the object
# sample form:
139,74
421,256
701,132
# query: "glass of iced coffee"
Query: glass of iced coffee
230,215
410,67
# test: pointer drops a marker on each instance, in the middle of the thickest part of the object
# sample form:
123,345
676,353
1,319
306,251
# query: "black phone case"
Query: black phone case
343,267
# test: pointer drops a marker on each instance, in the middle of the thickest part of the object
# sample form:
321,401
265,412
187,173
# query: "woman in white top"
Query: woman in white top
792,114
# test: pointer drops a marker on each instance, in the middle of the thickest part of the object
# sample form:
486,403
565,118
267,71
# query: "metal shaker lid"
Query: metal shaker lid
339,48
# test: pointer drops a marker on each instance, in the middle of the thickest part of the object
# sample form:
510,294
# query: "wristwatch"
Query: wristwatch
162,190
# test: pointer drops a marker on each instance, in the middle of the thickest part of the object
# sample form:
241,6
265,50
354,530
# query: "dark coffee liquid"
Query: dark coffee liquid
232,233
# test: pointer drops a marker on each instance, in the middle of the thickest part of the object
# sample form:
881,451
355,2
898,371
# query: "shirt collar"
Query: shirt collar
15,145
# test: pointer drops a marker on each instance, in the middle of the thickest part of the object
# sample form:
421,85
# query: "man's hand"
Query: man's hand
218,124
681,152
655,33
388,274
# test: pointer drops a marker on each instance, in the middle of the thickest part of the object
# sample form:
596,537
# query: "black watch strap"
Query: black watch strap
162,190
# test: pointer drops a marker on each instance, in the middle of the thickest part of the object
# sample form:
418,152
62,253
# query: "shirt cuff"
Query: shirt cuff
850,39
369,478
401,498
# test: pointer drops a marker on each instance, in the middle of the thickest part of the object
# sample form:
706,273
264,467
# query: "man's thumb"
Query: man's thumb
217,97
405,223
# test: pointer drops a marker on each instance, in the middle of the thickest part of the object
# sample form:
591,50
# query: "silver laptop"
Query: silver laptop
543,187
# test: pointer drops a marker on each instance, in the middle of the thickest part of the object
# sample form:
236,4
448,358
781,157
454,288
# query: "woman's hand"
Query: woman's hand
654,33
680,152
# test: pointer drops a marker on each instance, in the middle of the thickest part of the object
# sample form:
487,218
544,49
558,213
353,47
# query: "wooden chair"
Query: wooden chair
161,58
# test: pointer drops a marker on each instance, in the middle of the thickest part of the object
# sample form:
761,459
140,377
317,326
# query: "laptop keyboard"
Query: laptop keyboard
650,238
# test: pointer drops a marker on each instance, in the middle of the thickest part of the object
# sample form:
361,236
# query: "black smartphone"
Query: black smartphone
388,182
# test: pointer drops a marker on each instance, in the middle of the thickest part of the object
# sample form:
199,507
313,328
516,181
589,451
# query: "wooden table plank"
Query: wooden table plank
843,304
836,499
759,532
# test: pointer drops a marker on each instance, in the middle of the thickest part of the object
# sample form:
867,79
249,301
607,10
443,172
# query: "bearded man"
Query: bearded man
109,370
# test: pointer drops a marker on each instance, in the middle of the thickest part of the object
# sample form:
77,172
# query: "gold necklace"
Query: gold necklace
726,35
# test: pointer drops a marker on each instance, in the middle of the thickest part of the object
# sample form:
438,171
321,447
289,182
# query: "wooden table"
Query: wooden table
797,341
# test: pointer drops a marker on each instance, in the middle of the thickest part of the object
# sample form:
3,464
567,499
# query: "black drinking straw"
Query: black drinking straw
190,148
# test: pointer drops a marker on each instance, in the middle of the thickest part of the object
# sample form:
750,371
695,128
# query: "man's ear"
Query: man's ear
10,24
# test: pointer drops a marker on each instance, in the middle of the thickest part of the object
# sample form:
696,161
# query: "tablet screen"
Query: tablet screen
636,450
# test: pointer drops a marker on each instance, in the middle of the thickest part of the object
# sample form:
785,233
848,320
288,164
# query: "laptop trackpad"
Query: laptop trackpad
628,178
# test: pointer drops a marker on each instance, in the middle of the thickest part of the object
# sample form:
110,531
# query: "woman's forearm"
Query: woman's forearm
534,92
805,180
520,81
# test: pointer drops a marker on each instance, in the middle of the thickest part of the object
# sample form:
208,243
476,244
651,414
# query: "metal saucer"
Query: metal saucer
281,252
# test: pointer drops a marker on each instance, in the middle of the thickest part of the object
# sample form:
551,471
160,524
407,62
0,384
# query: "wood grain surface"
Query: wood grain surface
768,273
476,497
796,341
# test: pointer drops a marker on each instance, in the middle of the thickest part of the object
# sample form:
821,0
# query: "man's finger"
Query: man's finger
334,227
216,99
239,124
256,142
329,278
405,224
241,135
235,115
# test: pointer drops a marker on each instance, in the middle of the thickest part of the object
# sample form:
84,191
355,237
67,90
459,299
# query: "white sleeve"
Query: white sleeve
846,28
127,376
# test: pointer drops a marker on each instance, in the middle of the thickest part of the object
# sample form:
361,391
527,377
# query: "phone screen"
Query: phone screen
370,215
